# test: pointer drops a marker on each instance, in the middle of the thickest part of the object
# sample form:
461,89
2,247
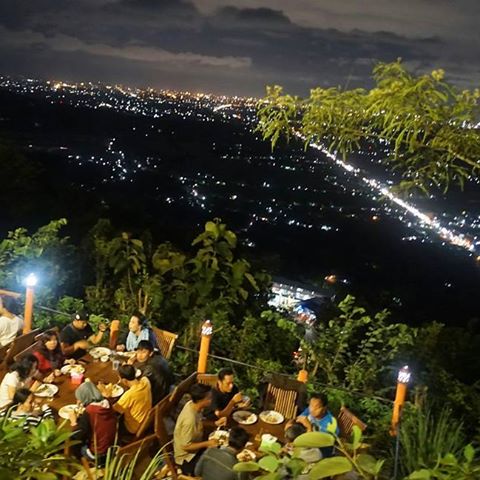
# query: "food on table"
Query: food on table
68,369
66,410
98,352
46,390
272,417
244,417
220,435
110,390
246,455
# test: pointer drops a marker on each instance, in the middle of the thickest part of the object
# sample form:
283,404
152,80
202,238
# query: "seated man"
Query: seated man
217,463
155,368
225,396
138,331
318,418
10,323
78,336
188,441
136,403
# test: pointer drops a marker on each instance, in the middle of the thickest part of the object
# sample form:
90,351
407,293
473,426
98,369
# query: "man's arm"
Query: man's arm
227,411
96,338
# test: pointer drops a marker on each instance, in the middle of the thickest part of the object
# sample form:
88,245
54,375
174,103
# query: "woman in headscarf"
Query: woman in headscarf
96,427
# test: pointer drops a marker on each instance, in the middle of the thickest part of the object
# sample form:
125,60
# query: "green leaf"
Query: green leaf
314,440
296,465
420,475
367,463
329,467
274,448
469,453
246,467
269,463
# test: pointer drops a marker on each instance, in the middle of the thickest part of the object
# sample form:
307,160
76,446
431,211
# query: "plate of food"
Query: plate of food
126,354
68,369
66,410
97,352
46,390
244,417
110,390
272,417
220,435
246,455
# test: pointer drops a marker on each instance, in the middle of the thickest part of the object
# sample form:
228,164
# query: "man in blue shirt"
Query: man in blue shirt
317,417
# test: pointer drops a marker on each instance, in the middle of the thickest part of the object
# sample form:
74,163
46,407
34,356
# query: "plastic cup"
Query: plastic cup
76,378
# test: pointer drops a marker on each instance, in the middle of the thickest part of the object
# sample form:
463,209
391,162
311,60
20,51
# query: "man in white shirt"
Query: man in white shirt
10,323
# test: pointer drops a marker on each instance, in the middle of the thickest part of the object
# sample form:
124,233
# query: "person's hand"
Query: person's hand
213,443
102,327
57,372
83,344
120,348
305,422
49,378
238,397
132,360
72,416
70,361
221,422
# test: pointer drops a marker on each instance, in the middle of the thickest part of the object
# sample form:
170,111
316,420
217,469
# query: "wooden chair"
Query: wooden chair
146,424
19,344
146,448
284,395
166,341
207,379
346,421
32,348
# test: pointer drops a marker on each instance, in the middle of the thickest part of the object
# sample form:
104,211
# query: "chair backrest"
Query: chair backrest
146,424
281,400
32,348
166,341
181,389
210,379
146,448
19,344
346,421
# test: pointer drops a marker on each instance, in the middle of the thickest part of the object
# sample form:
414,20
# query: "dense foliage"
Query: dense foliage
427,124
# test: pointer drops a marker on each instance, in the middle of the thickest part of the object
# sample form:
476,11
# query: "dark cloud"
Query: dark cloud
226,48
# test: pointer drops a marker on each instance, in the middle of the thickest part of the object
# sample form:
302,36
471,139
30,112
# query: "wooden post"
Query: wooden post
207,331
400,396
31,281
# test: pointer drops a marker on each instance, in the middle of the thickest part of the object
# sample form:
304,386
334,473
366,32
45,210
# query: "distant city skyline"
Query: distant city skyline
220,47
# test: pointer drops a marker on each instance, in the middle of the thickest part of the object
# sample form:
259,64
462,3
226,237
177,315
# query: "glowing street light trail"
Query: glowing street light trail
433,224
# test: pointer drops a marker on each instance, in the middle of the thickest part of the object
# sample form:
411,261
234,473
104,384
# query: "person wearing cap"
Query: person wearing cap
96,427
78,335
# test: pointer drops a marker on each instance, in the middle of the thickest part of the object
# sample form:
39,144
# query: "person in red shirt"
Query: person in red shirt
96,427
49,354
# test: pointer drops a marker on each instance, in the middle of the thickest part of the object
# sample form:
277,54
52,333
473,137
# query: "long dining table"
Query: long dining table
95,370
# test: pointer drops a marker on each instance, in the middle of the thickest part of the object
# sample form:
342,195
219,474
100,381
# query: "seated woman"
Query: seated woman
23,408
21,375
138,331
96,427
49,355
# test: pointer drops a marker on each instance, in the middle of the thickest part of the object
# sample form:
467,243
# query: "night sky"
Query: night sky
237,47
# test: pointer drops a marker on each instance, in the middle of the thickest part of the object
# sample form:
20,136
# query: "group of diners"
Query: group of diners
196,455
145,376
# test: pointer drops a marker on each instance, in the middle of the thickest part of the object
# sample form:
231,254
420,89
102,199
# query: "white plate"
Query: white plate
97,352
46,390
272,417
117,390
246,455
65,411
126,354
67,369
220,435
244,417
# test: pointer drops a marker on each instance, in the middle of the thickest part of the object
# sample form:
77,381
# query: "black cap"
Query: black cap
80,315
